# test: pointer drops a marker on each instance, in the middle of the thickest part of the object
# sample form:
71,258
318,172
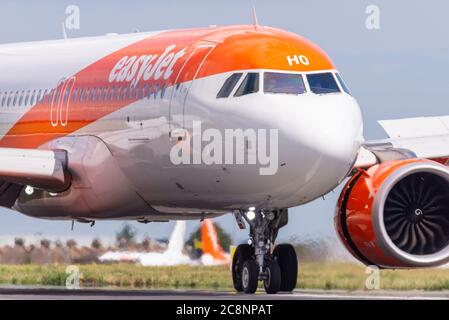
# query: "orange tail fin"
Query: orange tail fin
209,238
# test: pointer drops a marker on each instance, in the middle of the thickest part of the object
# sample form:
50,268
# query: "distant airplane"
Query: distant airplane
213,253
172,256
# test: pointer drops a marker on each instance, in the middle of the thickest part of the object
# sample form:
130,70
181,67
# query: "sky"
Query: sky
396,71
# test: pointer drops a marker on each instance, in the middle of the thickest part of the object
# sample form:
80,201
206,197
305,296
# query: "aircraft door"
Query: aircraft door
184,80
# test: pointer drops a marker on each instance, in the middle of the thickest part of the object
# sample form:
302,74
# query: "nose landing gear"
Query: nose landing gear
259,260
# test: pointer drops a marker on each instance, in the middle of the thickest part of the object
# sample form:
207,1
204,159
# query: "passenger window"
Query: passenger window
250,84
15,99
5,94
111,94
21,98
150,91
94,94
138,91
10,96
289,83
343,84
39,96
6,99
229,85
119,89
99,94
131,91
156,90
144,91
66,95
27,98
75,95
106,94
163,91
124,95
81,95
86,97
322,83
33,98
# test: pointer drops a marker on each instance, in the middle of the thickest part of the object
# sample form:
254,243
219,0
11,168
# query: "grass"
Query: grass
344,276
354,277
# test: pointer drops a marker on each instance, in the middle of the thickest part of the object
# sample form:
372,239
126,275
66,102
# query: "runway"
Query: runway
55,293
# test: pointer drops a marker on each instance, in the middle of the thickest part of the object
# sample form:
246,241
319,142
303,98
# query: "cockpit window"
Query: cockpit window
322,83
275,82
250,84
343,84
229,85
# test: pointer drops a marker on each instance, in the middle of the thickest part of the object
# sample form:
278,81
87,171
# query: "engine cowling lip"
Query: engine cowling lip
382,237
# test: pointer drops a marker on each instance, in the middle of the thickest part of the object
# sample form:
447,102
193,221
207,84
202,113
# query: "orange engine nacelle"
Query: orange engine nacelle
396,214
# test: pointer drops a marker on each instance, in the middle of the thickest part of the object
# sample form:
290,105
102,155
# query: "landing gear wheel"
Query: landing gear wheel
242,253
285,256
250,274
272,283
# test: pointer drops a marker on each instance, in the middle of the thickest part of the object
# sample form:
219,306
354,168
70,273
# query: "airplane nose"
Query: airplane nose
327,127
339,129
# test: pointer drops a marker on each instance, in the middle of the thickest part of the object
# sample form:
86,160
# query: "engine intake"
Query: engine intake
396,214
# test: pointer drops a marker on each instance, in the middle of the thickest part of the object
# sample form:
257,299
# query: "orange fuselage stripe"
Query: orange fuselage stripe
237,48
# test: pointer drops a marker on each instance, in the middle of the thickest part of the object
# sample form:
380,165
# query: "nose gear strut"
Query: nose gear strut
256,261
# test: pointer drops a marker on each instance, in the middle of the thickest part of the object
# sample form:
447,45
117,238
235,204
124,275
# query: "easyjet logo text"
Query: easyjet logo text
147,67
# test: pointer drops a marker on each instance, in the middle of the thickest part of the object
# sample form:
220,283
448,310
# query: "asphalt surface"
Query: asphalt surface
51,293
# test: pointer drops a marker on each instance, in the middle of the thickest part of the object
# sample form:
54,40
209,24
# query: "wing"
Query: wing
44,169
426,137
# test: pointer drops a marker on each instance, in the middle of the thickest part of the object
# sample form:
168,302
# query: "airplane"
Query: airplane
88,128
171,257
212,252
